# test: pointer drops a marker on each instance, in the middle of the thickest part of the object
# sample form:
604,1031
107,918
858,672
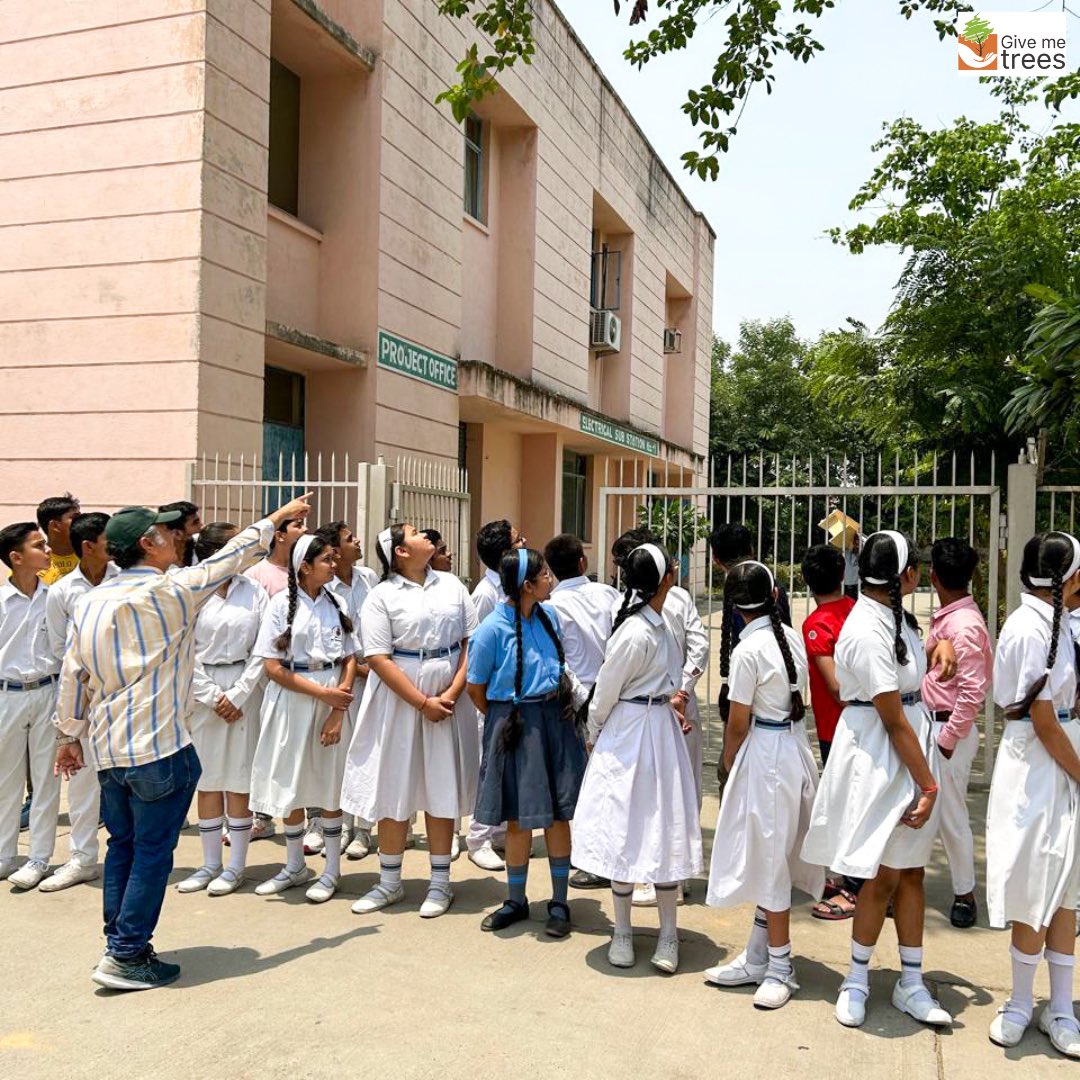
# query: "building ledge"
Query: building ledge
293,339
303,32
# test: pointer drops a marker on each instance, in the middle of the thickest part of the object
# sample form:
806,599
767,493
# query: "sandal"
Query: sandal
831,910
505,916
558,920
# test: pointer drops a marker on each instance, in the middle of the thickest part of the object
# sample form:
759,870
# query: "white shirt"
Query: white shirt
25,653
354,595
317,637
586,611
400,614
642,660
866,662
60,605
759,677
225,632
369,575
851,568
1022,651
487,594
681,615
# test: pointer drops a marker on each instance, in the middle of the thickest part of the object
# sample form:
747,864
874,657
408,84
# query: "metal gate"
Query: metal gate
435,495
782,502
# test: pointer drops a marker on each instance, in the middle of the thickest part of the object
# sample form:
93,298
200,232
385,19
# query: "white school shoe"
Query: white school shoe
228,881
1005,1031
487,858
620,952
313,838
285,879
437,902
377,899
740,972
323,889
666,956
361,845
29,875
199,880
455,847
917,1002
851,1004
1063,1030
644,895
775,993
71,873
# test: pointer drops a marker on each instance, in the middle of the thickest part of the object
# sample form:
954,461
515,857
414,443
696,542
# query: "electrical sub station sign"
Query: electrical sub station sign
408,358
620,436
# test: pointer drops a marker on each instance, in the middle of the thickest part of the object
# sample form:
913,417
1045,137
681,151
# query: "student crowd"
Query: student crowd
149,658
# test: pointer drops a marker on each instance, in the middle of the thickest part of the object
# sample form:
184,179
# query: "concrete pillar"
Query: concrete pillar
541,488
1020,511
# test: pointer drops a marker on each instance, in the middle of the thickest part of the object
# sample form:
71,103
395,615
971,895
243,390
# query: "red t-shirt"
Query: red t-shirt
820,633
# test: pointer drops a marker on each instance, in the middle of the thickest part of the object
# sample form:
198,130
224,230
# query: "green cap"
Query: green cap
126,526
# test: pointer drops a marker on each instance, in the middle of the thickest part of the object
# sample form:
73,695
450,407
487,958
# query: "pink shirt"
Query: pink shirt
270,576
962,624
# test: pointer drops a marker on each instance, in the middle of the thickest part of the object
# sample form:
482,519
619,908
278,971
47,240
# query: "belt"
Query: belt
771,725
233,663
648,699
1063,715
941,716
292,665
550,696
33,684
424,654
905,699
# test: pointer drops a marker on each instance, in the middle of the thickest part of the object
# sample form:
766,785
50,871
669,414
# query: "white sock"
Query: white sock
757,948
911,965
210,835
332,836
1061,980
622,895
780,967
1021,1003
239,838
859,972
294,848
440,871
667,903
389,872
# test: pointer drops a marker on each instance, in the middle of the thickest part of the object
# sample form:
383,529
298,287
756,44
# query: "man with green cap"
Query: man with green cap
125,686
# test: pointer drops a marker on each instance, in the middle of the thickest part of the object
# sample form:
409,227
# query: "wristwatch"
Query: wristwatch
66,740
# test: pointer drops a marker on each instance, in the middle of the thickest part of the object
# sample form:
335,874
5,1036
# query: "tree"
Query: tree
757,33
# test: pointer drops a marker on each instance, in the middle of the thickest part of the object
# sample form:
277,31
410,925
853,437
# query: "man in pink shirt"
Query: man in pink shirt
272,573
954,706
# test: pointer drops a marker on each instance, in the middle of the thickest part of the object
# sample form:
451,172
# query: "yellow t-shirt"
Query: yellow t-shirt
59,566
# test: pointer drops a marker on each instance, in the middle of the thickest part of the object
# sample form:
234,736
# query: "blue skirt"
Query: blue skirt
536,783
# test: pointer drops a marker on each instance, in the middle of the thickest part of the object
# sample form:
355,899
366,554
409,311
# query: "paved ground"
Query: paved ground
281,988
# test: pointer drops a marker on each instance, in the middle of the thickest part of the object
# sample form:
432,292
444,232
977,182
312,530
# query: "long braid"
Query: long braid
566,697
798,707
343,618
896,602
285,637
1059,603
727,631
511,732
631,608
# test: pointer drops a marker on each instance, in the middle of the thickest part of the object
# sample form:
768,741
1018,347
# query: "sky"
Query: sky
801,153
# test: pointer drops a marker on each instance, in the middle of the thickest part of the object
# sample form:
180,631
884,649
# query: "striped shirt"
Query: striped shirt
132,651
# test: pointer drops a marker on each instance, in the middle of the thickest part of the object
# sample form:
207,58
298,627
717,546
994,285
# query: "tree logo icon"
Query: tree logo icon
977,46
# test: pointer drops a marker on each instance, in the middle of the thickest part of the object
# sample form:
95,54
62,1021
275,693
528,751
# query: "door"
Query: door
283,437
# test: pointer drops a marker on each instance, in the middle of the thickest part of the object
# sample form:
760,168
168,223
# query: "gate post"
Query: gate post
377,510
1020,516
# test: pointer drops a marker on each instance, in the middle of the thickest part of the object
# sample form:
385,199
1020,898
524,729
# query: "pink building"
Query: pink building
244,226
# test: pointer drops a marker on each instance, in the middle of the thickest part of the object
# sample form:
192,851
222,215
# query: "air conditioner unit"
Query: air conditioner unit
605,332
672,340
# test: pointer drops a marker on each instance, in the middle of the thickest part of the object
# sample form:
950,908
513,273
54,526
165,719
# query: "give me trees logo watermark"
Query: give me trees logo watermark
1011,43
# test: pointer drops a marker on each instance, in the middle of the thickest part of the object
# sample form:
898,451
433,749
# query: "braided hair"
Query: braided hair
748,589
509,567
315,549
879,561
620,550
1050,556
641,579
397,538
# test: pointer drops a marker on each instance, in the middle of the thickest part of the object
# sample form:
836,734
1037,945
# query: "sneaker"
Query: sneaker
323,889
29,875
71,873
285,879
437,902
228,881
377,899
262,828
360,846
620,952
644,896
916,1001
487,858
666,957
455,847
199,880
7,868
1063,1031
774,992
313,839
740,972
1005,1029
24,814
145,973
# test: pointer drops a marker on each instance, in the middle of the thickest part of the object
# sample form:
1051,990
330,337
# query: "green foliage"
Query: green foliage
676,522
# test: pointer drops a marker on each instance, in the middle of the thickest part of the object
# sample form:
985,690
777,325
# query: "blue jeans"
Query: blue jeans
144,809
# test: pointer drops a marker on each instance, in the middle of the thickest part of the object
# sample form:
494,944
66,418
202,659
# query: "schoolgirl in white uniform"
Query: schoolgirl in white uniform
637,816
228,687
772,779
307,642
416,743
1033,817
875,813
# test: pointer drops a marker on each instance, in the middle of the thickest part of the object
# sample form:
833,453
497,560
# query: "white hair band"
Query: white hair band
1045,582
300,549
902,554
385,540
772,585
658,557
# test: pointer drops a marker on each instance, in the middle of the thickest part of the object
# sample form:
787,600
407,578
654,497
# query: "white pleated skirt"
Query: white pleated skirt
399,763
291,767
226,751
1032,824
764,817
637,816
864,792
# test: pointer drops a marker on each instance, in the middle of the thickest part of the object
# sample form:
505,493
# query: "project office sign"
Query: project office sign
1013,44
416,362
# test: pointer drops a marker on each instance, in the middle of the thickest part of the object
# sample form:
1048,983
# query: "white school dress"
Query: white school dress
637,813
291,767
1033,817
866,789
400,763
765,811
681,615
225,632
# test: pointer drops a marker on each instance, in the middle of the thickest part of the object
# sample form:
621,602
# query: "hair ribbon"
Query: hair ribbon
902,554
772,585
1045,583
523,565
385,540
300,550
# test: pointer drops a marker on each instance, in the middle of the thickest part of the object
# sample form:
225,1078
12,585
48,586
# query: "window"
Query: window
606,280
283,186
283,398
474,168
575,485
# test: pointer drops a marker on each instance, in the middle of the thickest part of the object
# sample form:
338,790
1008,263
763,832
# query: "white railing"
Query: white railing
435,495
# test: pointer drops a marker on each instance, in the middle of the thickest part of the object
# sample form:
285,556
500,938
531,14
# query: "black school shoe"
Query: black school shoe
558,920
964,912
584,880
505,916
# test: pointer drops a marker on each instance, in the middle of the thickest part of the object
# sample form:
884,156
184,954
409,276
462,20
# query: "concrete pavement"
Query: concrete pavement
282,988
